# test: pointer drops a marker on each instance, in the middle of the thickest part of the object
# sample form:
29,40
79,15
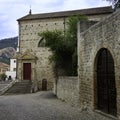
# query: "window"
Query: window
14,69
41,42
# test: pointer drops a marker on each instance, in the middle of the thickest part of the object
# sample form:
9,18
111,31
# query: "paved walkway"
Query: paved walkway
41,106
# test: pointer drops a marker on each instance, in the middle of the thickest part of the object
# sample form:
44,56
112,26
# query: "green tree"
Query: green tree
71,38
115,3
64,45
55,40
3,76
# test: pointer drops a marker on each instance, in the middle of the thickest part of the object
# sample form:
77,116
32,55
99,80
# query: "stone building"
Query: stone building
3,68
33,59
11,73
99,65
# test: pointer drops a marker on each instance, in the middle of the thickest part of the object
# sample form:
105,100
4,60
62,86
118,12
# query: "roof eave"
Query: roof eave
23,17
100,10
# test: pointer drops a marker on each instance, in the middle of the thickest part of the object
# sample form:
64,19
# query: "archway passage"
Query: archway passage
106,89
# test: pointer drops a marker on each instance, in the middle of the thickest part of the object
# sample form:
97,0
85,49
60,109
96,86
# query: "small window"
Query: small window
41,42
14,69
14,61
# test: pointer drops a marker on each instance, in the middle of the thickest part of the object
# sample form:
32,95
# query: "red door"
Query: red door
27,71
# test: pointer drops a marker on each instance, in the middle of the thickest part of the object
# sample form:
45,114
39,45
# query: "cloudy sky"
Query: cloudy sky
11,10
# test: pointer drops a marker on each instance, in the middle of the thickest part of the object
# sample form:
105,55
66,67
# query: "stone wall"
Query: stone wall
28,31
105,34
68,90
29,40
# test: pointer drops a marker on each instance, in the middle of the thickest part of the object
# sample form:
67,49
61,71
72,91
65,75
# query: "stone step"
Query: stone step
19,88
21,85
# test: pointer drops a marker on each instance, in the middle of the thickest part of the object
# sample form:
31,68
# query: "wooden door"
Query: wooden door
44,84
106,83
27,71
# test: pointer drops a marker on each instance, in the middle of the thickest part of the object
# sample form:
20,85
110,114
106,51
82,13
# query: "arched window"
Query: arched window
41,42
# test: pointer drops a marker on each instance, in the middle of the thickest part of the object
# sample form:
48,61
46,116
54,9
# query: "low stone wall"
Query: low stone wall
67,90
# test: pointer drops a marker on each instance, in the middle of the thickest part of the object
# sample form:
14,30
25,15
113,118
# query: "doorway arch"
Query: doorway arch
105,97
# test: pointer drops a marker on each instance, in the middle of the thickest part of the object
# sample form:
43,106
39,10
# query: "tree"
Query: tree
3,76
64,45
71,38
61,56
115,3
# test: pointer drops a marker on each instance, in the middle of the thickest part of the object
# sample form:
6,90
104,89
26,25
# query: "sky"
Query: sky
11,10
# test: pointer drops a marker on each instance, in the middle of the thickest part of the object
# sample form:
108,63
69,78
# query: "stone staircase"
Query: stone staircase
21,87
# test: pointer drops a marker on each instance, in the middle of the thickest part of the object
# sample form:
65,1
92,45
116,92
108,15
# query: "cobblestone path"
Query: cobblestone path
41,106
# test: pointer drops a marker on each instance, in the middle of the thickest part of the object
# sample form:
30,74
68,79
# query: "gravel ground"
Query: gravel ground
41,106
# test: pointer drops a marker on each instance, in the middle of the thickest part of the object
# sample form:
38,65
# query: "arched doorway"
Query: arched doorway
106,89
44,84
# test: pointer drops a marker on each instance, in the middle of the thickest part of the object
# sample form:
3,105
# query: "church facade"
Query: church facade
33,59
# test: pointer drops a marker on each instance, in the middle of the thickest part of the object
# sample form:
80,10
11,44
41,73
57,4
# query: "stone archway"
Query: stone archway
105,92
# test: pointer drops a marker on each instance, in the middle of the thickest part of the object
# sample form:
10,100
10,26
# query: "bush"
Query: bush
3,76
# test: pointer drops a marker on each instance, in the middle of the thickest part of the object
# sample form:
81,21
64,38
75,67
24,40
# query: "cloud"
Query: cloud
11,10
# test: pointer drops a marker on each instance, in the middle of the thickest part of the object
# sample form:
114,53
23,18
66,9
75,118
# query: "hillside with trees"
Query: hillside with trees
9,42
8,49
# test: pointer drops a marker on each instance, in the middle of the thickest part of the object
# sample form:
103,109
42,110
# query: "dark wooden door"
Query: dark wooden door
44,84
27,71
106,83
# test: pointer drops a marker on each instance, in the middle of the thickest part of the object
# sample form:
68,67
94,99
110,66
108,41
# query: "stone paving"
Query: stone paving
42,106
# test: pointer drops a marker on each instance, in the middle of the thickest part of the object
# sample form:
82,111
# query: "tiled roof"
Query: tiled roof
2,65
90,11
